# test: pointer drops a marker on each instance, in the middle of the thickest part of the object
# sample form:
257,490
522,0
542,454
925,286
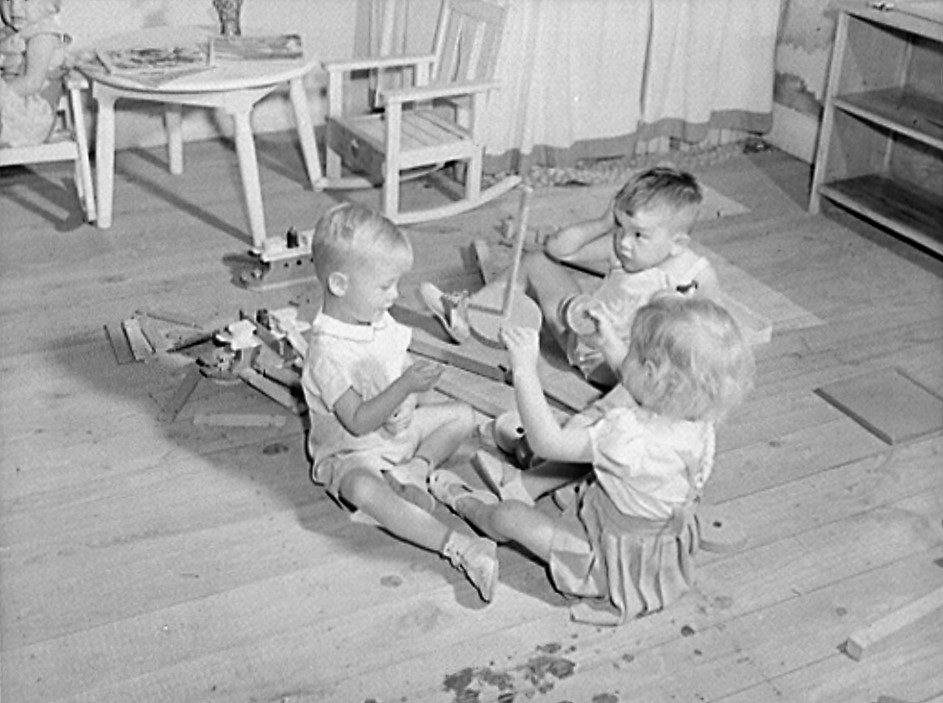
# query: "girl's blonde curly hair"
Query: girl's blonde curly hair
687,359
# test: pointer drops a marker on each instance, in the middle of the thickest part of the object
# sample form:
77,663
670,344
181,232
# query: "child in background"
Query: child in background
632,532
32,58
644,236
372,441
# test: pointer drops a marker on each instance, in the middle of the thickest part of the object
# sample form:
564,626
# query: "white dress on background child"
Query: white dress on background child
29,119
636,511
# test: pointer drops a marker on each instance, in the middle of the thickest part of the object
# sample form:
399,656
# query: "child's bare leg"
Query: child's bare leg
455,424
549,476
371,494
476,557
543,279
510,521
458,424
549,283
510,483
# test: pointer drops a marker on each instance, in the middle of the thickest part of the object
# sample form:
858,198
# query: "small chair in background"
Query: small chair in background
431,118
67,142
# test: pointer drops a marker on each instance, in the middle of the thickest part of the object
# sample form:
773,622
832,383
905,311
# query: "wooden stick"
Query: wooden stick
859,641
238,420
176,402
522,217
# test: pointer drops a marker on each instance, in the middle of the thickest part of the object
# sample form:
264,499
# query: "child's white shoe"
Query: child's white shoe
502,478
477,557
450,308
448,488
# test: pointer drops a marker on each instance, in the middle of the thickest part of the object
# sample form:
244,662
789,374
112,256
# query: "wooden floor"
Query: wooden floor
150,561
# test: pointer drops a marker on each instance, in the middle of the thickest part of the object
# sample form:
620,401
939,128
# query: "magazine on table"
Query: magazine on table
256,48
158,64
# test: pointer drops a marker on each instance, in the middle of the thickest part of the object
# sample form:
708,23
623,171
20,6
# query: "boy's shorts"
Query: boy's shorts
387,453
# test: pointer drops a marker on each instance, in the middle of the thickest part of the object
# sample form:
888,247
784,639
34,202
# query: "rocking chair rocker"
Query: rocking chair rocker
435,121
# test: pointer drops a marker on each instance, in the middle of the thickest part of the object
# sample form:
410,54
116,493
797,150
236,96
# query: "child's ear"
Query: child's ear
337,284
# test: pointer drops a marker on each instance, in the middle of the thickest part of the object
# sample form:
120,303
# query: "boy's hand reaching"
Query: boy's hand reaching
605,321
523,345
421,376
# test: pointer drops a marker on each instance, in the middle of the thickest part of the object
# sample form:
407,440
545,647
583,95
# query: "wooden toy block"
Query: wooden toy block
179,318
493,403
287,377
887,403
155,337
564,386
719,533
285,321
273,390
282,262
856,645
173,406
238,420
140,347
188,341
487,266
471,355
119,343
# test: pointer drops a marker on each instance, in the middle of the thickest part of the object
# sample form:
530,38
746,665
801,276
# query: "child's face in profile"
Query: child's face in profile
19,13
373,287
648,237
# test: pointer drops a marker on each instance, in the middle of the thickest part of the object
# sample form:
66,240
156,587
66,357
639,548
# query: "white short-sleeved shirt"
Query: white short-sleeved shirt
649,464
366,358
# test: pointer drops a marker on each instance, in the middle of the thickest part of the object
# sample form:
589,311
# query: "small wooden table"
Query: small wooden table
233,86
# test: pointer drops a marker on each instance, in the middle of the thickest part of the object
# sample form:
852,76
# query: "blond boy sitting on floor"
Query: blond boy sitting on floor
374,439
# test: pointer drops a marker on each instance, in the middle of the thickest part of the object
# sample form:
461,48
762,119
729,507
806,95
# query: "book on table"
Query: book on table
155,65
256,48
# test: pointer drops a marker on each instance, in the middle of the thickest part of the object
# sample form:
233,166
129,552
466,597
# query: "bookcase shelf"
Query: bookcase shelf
880,151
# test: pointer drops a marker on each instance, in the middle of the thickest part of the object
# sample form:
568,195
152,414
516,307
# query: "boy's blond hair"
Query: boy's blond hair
687,359
351,235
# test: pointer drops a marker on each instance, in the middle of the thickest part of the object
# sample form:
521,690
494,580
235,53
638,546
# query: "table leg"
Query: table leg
105,156
249,170
173,121
309,147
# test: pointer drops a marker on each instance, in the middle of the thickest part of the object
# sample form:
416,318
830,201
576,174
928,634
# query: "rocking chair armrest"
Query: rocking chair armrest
376,62
431,92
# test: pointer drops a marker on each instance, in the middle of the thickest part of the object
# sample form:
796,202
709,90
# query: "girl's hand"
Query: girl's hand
523,345
421,376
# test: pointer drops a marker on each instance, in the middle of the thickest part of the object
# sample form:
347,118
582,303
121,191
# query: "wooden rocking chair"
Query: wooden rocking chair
434,121
68,142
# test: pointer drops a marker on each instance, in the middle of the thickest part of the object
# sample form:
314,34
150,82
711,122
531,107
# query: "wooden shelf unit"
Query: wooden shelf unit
880,151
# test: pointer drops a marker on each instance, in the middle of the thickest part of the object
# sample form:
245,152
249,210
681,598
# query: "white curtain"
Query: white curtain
571,70
710,65
588,78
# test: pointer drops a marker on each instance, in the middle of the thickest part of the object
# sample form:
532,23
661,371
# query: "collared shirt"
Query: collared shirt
343,356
